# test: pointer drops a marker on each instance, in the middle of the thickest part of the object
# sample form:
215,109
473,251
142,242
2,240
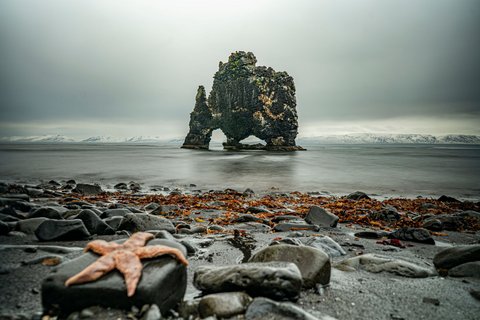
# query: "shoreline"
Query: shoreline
191,188
205,222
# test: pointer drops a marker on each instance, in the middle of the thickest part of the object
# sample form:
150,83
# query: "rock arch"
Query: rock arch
246,100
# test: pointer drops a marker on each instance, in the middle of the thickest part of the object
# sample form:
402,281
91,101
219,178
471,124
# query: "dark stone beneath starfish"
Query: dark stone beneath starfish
163,283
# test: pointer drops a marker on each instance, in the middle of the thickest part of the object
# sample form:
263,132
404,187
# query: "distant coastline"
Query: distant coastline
359,138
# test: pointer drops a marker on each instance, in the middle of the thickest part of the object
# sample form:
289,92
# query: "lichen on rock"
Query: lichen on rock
246,100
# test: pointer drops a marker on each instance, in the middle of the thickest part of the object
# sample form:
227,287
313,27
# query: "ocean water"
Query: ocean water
384,170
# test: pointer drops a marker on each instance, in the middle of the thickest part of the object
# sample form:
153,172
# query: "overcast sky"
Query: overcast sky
124,68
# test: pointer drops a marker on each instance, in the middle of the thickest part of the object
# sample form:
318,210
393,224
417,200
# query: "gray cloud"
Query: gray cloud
108,63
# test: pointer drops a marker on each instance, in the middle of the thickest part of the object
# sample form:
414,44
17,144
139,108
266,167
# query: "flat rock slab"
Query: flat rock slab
277,280
314,264
163,283
378,263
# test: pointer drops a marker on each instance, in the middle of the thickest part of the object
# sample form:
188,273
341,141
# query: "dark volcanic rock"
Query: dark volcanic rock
51,230
93,223
47,212
120,212
16,203
114,222
371,234
165,209
314,264
357,195
87,189
246,100
455,256
135,222
321,217
4,228
469,269
163,283
445,198
28,226
444,222
278,280
413,234
121,186
387,213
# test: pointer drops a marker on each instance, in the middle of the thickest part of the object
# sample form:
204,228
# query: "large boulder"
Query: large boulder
246,100
163,283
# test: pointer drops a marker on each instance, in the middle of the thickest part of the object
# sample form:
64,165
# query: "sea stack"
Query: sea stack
246,100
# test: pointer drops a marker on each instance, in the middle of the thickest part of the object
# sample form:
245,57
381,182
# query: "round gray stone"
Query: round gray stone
314,264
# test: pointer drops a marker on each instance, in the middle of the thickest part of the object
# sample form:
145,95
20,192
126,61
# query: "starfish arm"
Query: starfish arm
158,250
131,267
94,271
138,239
101,247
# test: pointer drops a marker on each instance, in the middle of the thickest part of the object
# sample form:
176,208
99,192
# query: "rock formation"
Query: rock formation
246,100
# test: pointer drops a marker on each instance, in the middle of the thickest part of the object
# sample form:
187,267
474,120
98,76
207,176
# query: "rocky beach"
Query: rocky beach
251,255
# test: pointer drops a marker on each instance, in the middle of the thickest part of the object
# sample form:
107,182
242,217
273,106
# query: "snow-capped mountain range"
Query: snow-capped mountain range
360,138
371,138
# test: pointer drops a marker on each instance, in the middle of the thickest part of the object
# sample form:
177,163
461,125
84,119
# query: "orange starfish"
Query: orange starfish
125,257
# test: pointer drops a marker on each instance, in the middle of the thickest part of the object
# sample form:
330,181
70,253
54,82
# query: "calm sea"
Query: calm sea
404,170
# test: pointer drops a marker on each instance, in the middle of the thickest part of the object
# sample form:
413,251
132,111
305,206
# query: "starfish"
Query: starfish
124,257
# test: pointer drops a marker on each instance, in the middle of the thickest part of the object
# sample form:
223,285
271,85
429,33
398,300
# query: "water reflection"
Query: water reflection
247,168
